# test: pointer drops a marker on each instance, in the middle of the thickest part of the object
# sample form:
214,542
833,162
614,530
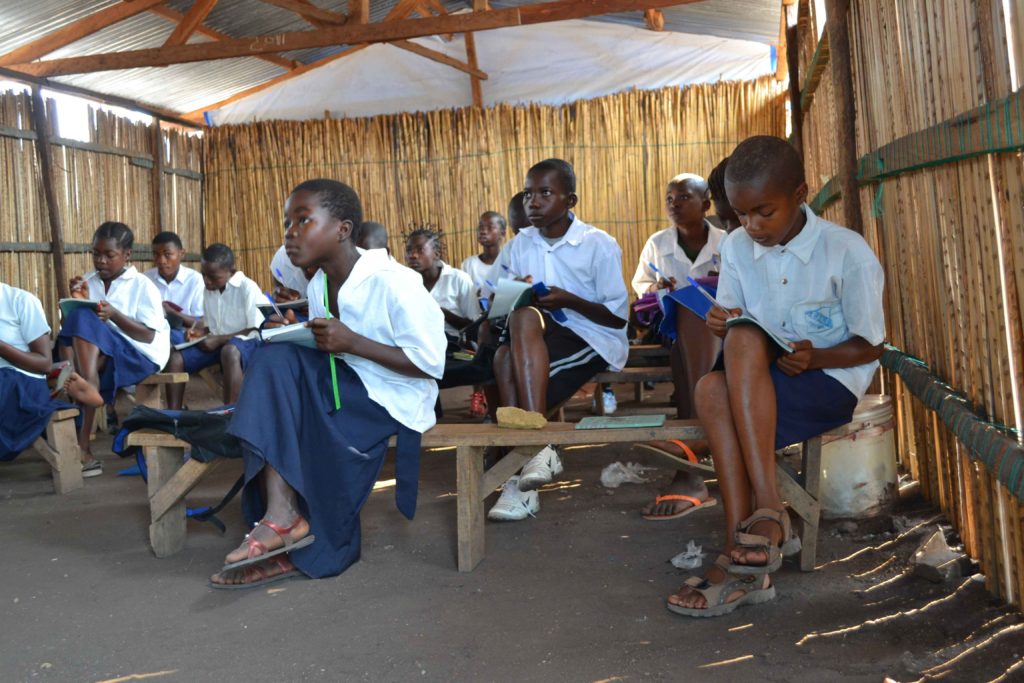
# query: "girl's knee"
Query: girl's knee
711,393
176,363
229,353
743,340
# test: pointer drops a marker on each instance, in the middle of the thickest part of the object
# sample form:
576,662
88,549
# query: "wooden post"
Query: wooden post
796,113
158,178
469,475
842,81
43,150
167,532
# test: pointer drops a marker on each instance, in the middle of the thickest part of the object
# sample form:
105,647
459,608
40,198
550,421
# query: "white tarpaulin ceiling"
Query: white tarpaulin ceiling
546,63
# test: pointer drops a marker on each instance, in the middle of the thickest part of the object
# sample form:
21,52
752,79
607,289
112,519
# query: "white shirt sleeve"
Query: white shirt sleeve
644,276
418,326
194,305
861,300
611,288
253,296
31,317
150,309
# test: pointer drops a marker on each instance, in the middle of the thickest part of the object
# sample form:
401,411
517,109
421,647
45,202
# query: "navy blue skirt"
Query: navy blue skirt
196,359
25,409
285,418
125,364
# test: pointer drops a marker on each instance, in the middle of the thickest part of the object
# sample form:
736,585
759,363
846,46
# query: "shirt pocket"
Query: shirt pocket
821,322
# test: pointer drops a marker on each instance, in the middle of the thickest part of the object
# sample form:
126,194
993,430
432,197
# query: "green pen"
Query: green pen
334,372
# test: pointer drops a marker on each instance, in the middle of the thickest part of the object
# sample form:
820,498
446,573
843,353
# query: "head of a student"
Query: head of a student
517,219
422,250
550,192
764,181
218,266
490,230
321,219
686,200
167,253
716,186
111,249
373,235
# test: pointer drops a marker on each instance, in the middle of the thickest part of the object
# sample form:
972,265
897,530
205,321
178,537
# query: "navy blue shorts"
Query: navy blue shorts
196,359
806,405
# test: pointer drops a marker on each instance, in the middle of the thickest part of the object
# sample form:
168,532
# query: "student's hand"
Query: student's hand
192,334
525,278
79,290
717,318
556,298
798,361
332,335
105,311
284,295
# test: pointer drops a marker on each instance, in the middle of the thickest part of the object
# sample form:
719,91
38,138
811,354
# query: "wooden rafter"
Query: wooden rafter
204,30
654,19
76,31
358,11
190,22
474,81
440,57
559,10
318,17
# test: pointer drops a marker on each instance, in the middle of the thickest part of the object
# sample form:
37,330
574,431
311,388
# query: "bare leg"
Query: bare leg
82,392
748,359
530,360
282,510
88,361
175,392
231,366
506,382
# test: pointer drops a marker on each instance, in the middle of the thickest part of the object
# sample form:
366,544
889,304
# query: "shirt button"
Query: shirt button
784,281
783,324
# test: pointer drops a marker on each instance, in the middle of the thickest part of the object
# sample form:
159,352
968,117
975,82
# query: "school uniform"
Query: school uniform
289,275
286,416
480,274
25,405
587,262
663,250
185,291
233,310
454,291
824,286
128,361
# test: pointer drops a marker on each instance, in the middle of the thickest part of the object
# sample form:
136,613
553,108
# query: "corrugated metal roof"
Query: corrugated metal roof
186,87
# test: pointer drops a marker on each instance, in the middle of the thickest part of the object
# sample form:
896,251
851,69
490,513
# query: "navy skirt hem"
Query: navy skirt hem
25,409
125,365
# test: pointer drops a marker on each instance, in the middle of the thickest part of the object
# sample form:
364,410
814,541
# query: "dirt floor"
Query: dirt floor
576,594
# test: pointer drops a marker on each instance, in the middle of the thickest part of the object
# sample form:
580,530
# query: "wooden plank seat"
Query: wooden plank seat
147,393
170,479
60,450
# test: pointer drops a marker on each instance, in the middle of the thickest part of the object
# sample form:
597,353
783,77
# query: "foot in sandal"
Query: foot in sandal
687,493
82,391
268,539
761,542
255,575
719,592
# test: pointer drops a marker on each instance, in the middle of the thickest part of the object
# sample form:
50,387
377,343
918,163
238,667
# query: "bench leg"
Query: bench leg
149,395
62,455
811,470
166,532
470,470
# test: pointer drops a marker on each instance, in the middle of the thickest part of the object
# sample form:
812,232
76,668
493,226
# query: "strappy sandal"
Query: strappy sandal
691,462
717,594
256,576
264,554
748,541
695,504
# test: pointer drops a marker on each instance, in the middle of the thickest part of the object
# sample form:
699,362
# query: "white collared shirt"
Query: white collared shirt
663,250
384,301
825,286
479,272
234,309
135,295
185,290
588,263
454,291
291,276
22,321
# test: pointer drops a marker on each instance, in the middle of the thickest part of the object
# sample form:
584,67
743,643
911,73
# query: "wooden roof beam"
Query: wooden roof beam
358,11
190,22
558,10
440,58
76,31
318,17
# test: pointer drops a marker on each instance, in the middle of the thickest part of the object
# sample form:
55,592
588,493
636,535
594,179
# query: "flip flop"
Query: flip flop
286,548
691,462
63,370
695,504
263,579
716,594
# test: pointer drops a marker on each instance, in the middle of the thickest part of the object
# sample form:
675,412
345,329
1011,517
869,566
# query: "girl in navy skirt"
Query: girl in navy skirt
315,423
123,339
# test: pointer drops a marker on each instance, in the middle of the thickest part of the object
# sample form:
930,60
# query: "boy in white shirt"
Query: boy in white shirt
815,284
542,362
181,289
232,325
490,234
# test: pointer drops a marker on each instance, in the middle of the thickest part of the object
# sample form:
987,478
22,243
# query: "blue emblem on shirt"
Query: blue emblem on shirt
818,318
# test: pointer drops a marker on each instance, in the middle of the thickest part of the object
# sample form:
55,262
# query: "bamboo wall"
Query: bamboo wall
950,237
107,178
445,168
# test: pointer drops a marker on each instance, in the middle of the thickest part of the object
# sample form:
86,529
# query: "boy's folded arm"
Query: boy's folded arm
850,353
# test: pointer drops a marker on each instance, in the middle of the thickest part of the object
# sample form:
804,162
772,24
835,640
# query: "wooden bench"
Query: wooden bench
170,479
147,393
60,450
635,376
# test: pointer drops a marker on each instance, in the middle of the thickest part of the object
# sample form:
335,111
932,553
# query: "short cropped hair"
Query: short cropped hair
716,181
698,183
167,237
502,225
765,156
220,255
564,170
340,200
112,230
517,213
373,235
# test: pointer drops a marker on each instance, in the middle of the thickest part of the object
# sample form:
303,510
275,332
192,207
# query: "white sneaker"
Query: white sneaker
610,404
540,470
514,505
